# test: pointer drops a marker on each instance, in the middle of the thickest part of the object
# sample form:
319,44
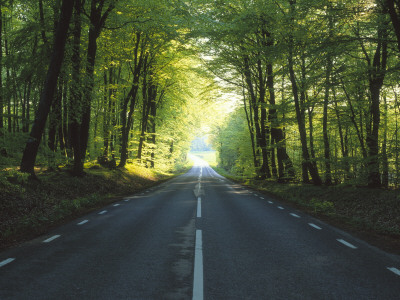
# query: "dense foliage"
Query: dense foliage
112,81
320,88
121,80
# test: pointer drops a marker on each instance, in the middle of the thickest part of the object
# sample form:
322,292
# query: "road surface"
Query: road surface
198,236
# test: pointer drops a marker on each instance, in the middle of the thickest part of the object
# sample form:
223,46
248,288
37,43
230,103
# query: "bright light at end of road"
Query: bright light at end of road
198,162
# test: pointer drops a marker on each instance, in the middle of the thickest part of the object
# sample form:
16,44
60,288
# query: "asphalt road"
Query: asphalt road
198,236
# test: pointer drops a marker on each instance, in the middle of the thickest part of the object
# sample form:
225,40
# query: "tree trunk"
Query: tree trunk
97,22
250,125
307,164
140,62
255,109
376,75
1,70
327,153
343,145
393,10
385,162
152,125
75,106
285,164
31,149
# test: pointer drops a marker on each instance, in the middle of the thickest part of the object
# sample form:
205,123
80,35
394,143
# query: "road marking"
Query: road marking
262,198
270,202
198,267
117,204
6,262
315,226
280,207
394,270
52,238
199,207
126,200
102,212
83,222
346,244
294,215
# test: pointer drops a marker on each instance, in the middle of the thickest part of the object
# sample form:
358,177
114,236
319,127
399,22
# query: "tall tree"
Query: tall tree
97,18
32,146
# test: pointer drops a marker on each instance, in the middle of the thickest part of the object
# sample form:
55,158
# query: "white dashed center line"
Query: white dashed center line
52,238
270,202
83,222
199,207
198,268
294,215
262,198
117,204
394,270
102,212
346,244
6,262
314,226
280,207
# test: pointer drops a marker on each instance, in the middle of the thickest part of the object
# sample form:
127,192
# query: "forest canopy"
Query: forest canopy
119,81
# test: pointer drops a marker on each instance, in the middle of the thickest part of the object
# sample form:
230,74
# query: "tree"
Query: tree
31,149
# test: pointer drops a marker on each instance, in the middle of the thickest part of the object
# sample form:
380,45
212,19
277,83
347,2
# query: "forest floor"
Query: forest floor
30,208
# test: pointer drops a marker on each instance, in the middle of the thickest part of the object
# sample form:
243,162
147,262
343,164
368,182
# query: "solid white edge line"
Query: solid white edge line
199,207
394,270
294,215
314,226
346,244
83,222
6,262
102,212
52,238
198,268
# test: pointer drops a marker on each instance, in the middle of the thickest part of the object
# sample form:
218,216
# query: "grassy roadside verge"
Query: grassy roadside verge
372,215
30,208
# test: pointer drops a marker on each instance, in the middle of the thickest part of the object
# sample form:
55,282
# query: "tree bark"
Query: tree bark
301,126
394,9
1,69
250,125
376,75
285,165
139,64
32,146
75,106
97,22
327,153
